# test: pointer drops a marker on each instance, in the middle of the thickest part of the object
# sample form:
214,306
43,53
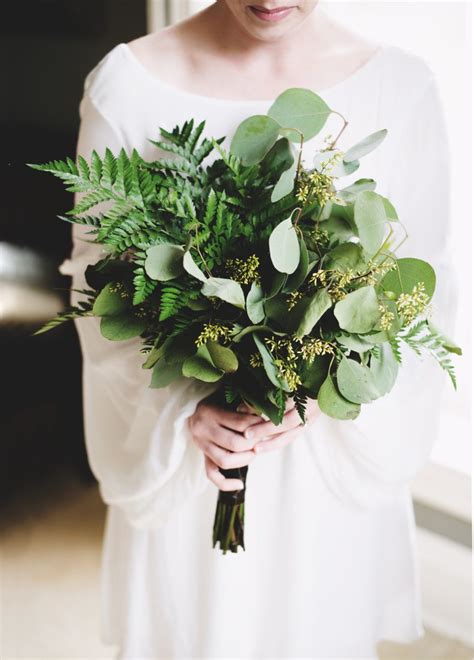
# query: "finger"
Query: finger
277,441
218,479
291,420
237,421
231,441
228,459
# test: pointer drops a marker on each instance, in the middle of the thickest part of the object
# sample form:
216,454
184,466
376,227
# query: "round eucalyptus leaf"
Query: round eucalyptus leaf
284,247
390,211
164,262
365,146
346,256
356,343
163,373
285,184
191,267
110,301
359,311
121,327
344,169
253,138
302,109
313,375
268,365
407,274
356,382
349,193
279,158
384,369
315,307
223,358
200,366
225,289
296,279
254,304
370,220
332,403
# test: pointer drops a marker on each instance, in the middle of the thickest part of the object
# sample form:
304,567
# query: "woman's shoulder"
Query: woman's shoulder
406,70
148,54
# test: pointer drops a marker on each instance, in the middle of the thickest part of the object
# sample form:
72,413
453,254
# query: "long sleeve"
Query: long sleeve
378,454
137,438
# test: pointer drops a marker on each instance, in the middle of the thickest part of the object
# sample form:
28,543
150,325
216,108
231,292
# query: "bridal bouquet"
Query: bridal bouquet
274,281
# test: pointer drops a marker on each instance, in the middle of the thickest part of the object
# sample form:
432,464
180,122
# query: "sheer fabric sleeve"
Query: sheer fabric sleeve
377,455
138,442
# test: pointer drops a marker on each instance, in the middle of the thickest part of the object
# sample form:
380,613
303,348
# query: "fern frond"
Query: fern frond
300,400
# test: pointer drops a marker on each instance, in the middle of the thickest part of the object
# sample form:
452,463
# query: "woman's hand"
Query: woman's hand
219,434
266,436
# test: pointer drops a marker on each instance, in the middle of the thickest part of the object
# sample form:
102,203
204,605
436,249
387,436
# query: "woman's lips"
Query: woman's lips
270,14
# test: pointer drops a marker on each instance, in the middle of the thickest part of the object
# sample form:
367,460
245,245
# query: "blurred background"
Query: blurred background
52,518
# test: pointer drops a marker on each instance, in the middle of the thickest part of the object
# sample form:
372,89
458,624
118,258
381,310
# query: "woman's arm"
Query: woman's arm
138,441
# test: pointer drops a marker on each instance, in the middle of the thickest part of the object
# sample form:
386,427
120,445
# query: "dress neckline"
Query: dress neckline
355,75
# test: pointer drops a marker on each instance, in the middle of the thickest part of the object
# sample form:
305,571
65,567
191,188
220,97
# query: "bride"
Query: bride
329,567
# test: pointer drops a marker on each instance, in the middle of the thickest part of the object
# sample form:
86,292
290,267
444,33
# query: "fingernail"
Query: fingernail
248,434
240,486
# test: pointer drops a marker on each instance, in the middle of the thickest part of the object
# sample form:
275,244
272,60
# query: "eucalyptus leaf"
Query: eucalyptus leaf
390,211
268,365
313,375
358,311
407,274
370,220
315,307
225,289
356,382
279,158
384,369
285,184
163,373
332,403
349,193
253,138
110,301
200,366
191,267
365,146
356,343
277,282
254,304
296,279
347,256
121,327
302,109
223,358
164,262
284,247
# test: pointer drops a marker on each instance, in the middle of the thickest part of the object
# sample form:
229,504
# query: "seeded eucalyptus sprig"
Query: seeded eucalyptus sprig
273,281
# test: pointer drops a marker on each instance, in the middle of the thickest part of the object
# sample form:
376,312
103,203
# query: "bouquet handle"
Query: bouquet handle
229,520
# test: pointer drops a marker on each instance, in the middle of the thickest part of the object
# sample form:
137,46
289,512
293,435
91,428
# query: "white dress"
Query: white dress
330,566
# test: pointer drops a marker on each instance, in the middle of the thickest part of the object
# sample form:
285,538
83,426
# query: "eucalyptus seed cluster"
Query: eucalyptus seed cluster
315,186
244,271
410,305
386,317
213,332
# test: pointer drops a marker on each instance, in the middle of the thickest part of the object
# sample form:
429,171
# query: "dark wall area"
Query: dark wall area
46,49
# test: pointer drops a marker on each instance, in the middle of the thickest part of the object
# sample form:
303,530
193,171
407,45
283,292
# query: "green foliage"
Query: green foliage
423,337
312,316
